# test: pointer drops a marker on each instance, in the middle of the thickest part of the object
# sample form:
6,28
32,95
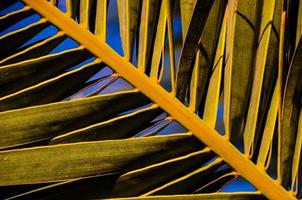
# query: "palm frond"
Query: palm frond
83,121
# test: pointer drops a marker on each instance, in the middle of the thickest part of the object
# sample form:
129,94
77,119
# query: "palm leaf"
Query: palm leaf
85,119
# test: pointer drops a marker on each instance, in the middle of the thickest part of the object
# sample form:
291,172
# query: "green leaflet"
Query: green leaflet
163,43
129,183
266,65
217,181
37,123
212,97
171,48
215,196
186,10
189,49
13,17
159,42
120,127
204,59
270,74
297,157
290,116
51,90
147,29
269,129
88,158
17,38
299,24
12,76
128,12
72,188
37,50
186,183
241,35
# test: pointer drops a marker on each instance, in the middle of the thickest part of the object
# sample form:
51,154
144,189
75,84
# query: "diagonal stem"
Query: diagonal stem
247,169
